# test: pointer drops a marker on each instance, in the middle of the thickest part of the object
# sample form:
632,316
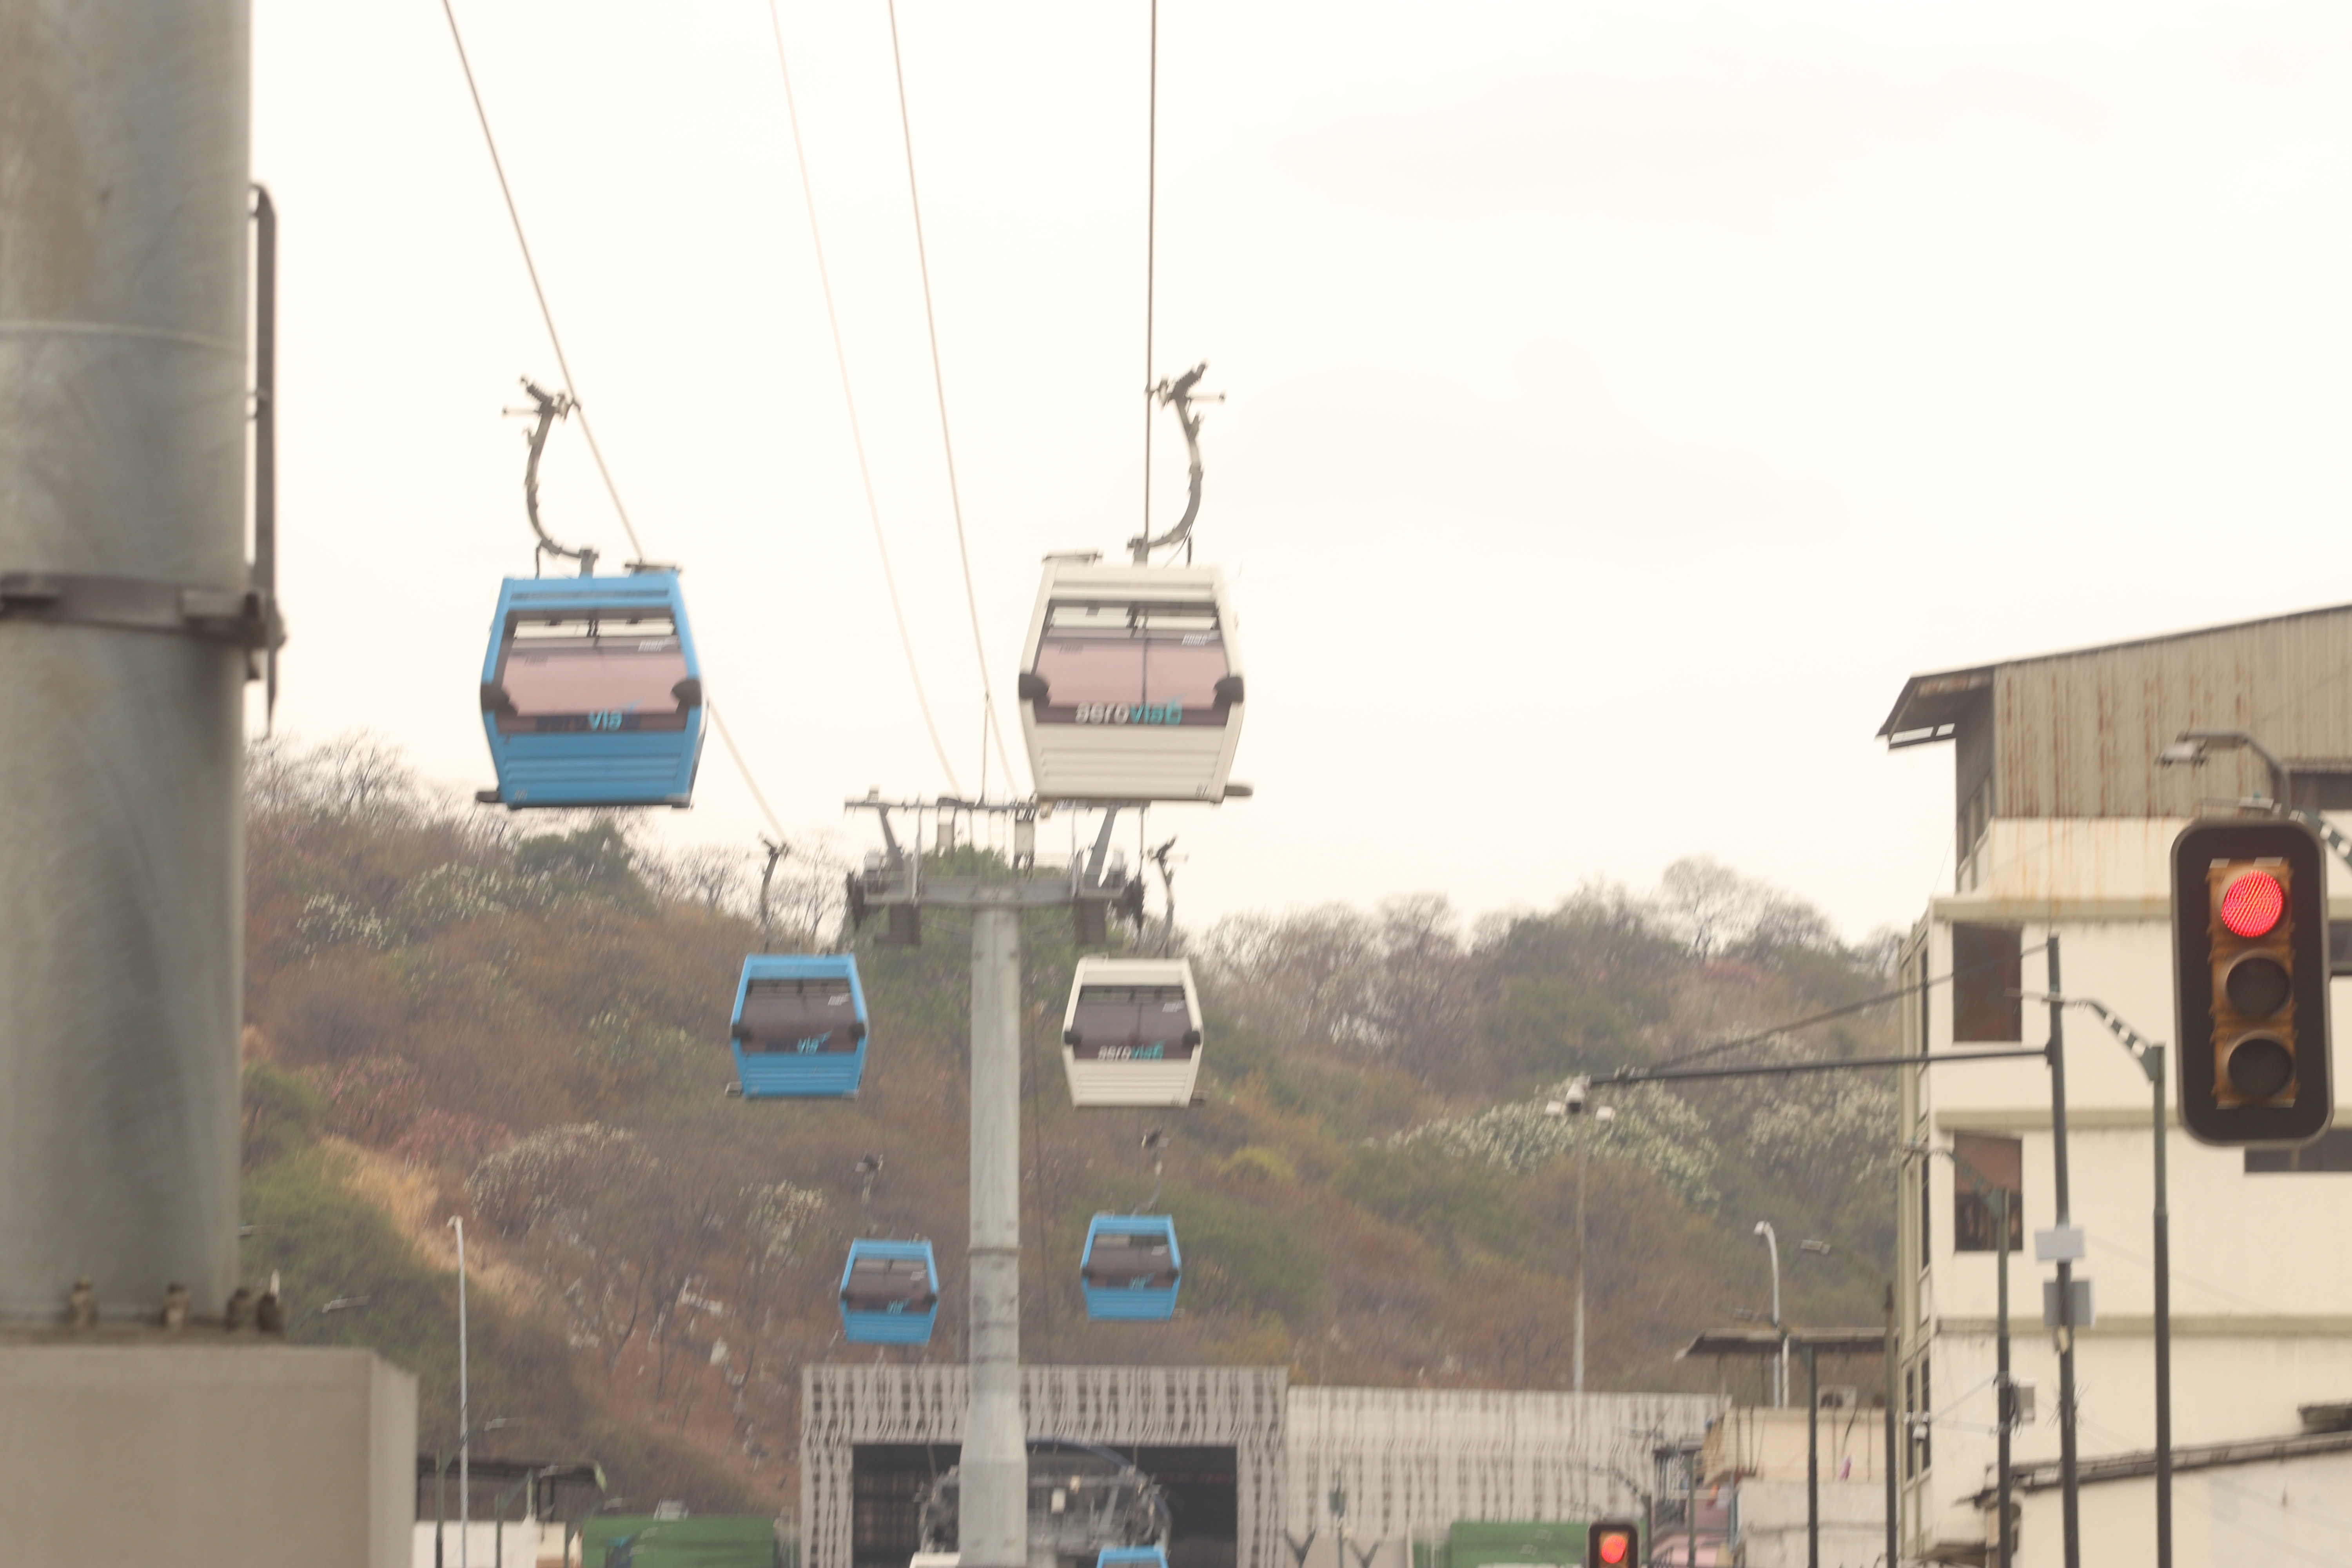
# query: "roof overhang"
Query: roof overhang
1931,706
1763,1344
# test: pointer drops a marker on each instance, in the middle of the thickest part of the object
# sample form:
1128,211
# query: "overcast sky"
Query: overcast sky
1624,399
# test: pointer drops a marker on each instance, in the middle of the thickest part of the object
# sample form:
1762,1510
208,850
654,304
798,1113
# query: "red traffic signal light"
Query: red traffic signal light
1613,1543
2249,981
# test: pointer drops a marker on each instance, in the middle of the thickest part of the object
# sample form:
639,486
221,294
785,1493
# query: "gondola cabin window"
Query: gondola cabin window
1997,1163
1121,663
592,673
1130,1261
889,1285
802,1018
1133,1023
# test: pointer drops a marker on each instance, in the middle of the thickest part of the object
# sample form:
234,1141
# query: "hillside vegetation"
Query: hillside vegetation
523,1022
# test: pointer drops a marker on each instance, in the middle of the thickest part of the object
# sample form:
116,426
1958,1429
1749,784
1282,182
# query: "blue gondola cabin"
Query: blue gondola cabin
889,1293
592,695
799,1031
1132,1269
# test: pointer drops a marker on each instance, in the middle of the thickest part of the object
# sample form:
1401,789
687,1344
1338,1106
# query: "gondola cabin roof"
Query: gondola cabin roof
799,1028
1132,1268
889,1293
1131,1557
1132,684
592,693
1131,1033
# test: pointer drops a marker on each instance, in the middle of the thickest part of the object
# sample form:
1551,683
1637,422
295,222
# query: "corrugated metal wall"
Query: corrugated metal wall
2078,733
1241,1408
1421,1459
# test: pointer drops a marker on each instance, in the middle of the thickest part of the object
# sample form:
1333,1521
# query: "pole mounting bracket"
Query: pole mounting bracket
242,618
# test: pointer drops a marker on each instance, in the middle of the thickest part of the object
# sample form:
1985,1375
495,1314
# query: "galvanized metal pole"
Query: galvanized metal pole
1892,1527
123,456
2154,1061
1583,1138
2004,1388
994,1513
2070,1477
1813,1456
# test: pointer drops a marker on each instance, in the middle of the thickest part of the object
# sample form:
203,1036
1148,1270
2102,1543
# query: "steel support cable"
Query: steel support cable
547,316
849,398
939,381
720,720
514,216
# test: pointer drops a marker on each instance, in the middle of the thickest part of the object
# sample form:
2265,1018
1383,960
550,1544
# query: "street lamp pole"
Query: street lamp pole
1571,1105
1780,1372
2149,1055
465,1431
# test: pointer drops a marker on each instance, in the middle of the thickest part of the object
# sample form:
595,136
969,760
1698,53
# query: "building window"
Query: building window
2328,1154
1998,1164
1986,979
2318,788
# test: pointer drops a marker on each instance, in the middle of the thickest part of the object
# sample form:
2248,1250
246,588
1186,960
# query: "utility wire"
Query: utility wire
546,315
857,435
1766,1036
939,380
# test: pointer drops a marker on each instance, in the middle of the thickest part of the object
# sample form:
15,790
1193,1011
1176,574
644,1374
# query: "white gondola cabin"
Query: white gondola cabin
1131,1034
1131,683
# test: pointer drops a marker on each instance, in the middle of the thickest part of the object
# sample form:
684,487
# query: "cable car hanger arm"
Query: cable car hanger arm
1179,392
551,406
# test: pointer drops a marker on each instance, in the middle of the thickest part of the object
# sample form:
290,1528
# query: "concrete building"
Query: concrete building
2063,824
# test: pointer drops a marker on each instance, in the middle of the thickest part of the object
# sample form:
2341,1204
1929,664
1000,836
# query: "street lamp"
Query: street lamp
1571,1105
1780,1376
1823,1249
2149,1055
465,1435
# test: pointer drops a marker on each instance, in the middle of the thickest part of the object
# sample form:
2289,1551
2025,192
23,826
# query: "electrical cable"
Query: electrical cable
546,315
939,380
1900,992
856,434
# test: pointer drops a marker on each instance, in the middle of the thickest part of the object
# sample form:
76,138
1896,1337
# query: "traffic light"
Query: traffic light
2250,971
1613,1543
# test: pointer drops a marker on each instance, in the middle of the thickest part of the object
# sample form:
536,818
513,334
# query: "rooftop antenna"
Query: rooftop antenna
549,407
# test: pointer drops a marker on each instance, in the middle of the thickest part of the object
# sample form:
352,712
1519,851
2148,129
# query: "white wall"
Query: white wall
2284,1513
1770,1521
527,1545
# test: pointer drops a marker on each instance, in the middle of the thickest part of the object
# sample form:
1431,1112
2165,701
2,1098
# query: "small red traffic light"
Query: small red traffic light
2253,905
1613,1547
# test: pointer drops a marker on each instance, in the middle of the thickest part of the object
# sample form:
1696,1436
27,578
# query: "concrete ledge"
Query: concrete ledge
203,1450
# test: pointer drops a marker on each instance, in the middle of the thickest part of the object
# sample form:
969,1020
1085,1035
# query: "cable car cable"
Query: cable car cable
531,267
856,434
718,721
939,381
568,400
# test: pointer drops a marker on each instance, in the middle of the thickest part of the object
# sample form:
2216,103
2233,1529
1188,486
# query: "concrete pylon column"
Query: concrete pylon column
123,191
993,1507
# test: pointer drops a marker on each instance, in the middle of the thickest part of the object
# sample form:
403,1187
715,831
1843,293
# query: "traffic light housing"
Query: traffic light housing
1613,1543
2250,972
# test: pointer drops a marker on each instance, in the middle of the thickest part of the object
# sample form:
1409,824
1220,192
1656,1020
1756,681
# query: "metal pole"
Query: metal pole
1583,1138
1813,1456
2154,1061
1892,1453
464,1418
994,1514
2069,1474
122,456
2004,1391
1780,1369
